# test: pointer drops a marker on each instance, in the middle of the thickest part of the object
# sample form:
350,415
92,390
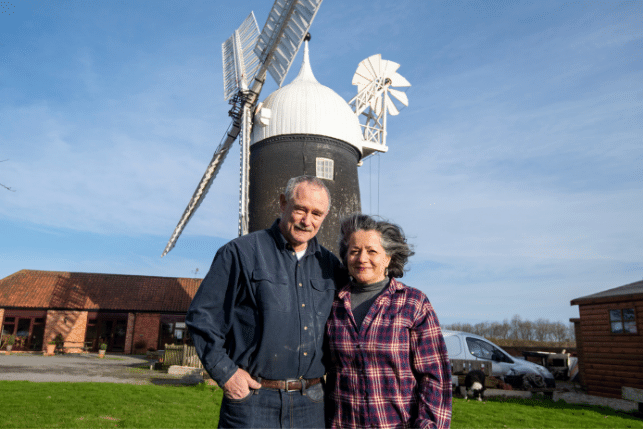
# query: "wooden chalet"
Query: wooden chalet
609,340
131,314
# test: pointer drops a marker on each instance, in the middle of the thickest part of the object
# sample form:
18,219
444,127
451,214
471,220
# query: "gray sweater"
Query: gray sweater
363,296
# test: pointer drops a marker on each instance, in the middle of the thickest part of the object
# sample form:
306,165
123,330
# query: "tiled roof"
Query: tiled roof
88,291
622,292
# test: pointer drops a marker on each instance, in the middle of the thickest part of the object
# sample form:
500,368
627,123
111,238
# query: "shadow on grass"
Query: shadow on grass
186,380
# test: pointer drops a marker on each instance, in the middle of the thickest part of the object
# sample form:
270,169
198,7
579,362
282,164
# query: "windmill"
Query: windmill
303,127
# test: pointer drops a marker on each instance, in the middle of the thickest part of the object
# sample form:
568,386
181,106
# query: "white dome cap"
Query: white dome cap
305,106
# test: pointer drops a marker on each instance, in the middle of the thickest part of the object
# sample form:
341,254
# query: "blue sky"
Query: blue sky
516,170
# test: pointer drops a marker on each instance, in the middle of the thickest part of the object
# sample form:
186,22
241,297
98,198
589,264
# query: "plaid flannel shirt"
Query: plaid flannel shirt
392,372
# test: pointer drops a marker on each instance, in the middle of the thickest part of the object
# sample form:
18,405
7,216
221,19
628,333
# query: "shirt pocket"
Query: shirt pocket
272,291
323,295
393,330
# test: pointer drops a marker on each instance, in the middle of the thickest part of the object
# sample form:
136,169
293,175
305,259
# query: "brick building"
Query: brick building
609,341
129,313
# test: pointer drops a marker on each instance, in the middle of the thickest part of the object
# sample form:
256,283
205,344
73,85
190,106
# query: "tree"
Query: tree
541,330
560,332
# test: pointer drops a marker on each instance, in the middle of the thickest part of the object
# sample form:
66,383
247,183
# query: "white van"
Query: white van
466,346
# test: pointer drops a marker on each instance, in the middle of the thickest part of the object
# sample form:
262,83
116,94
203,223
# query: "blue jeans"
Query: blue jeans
268,408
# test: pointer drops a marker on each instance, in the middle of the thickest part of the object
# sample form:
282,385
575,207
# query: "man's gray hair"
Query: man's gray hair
289,192
393,240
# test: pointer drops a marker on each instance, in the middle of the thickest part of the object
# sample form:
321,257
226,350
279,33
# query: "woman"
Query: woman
389,364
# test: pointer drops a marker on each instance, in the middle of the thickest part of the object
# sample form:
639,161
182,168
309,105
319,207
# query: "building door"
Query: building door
119,334
112,331
37,333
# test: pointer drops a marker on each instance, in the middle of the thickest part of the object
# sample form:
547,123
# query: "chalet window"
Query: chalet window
623,321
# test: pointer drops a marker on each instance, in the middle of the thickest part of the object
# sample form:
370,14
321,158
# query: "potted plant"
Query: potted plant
10,341
102,350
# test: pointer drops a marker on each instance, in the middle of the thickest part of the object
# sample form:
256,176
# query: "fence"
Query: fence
462,367
182,355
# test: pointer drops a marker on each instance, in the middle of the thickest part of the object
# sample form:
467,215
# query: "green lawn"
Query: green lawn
537,413
25,404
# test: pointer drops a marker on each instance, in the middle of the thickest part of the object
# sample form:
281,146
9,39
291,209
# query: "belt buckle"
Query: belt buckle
291,380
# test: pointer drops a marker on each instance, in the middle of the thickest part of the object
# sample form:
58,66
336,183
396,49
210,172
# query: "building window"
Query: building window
623,321
325,168
8,326
173,331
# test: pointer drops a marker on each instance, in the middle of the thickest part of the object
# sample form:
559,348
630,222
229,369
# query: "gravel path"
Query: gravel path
86,367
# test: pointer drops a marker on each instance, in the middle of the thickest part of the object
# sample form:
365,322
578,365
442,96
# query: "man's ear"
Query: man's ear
282,202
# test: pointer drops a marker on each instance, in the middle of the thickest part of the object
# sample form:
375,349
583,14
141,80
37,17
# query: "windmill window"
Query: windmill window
325,168
623,321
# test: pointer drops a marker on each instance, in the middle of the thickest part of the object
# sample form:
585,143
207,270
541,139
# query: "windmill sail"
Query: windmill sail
240,63
283,33
274,51
204,184
376,80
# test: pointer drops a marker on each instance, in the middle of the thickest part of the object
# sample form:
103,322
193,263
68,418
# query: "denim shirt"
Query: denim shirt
261,309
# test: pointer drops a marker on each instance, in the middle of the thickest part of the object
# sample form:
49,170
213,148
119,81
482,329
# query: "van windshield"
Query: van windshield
487,351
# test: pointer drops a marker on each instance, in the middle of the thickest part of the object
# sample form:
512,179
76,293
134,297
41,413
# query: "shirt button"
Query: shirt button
300,285
303,305
305,353
305,328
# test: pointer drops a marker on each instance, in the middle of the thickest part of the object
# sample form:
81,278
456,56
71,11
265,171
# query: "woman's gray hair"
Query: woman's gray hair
392,239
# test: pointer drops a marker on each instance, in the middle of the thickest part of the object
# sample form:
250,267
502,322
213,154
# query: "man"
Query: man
258,318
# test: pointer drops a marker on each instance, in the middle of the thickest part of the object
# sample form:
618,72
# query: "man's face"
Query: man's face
302,216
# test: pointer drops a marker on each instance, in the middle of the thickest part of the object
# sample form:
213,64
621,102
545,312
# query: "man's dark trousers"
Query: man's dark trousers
270,408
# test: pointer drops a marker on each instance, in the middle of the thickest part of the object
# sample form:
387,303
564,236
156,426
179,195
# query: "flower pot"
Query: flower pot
101,353
51,349
9,347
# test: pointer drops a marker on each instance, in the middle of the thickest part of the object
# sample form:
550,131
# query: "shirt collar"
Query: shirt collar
393,287
282,244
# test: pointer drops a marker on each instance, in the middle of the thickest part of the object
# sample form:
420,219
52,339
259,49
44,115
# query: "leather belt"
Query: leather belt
288,385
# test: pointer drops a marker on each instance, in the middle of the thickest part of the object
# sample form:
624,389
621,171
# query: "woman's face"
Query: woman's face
367,260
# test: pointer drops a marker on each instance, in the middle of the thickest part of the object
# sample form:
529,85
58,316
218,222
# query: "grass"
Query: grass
25,404
537,413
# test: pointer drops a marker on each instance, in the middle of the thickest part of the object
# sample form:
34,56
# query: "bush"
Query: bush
60,341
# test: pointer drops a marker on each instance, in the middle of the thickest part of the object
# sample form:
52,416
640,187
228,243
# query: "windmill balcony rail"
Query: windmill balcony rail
372,134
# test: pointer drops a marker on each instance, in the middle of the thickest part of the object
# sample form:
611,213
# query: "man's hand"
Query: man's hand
239,385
